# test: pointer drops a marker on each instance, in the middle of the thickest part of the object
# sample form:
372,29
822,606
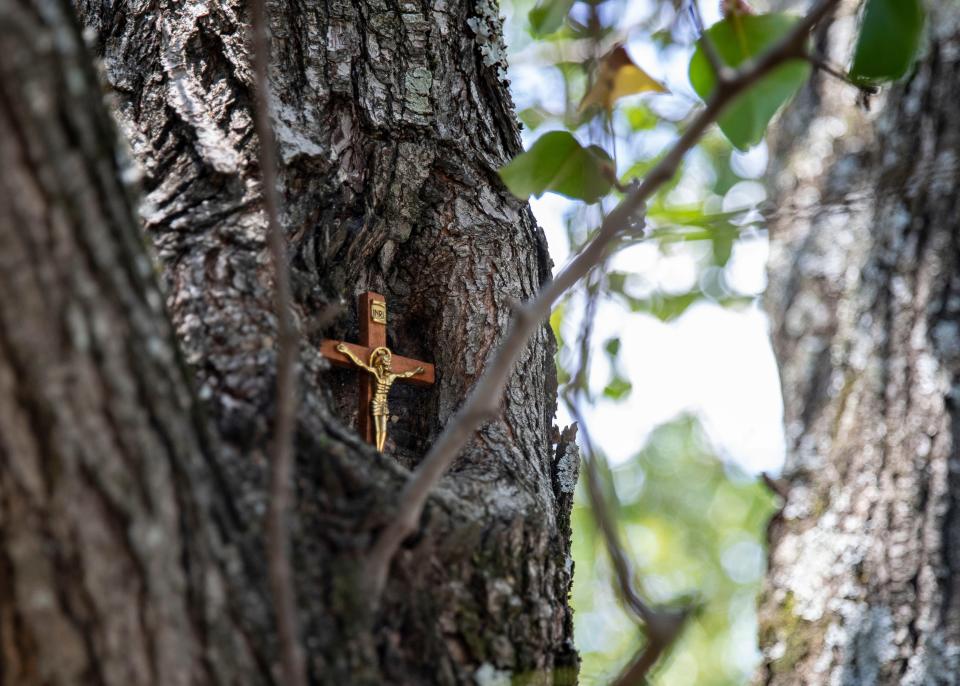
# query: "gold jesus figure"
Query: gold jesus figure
379,366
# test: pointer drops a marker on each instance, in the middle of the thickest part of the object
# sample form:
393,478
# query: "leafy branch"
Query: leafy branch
483,402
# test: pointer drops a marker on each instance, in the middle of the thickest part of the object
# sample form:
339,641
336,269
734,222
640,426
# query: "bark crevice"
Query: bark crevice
391,121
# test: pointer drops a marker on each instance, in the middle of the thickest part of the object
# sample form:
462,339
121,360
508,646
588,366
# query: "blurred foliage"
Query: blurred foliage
696,529
695,526
558,163
548,16
604,88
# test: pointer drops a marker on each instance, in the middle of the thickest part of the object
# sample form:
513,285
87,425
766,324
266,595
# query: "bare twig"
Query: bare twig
482,403
827,68
281,449
661,627
608,529
778,486
579,384
636,671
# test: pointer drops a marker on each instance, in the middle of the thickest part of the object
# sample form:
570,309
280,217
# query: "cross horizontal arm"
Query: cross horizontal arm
398,365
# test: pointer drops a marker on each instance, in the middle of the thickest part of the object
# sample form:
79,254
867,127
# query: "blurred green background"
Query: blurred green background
695,528
693,518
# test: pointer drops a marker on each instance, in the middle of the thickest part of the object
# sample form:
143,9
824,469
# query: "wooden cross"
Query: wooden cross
372,313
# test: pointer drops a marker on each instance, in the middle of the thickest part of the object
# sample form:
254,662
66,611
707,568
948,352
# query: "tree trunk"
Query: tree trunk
864,582
133,438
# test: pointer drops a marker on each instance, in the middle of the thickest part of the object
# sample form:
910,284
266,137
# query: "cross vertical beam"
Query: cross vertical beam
372,315
373,334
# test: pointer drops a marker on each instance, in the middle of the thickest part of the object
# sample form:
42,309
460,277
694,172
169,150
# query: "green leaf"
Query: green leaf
617,388
718,150
889,40
737,39
556,322
533,117
662,38
548,16
666,307
723,238
641,118
612,347
616,281
558,163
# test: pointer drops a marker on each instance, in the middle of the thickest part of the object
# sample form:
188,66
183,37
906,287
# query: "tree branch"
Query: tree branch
277,532
819,63
482,404
661,627
636,671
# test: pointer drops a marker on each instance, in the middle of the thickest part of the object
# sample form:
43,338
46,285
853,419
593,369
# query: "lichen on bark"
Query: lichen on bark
864,298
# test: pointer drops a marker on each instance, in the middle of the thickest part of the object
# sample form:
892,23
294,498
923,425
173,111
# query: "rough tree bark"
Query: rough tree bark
864,584
132,477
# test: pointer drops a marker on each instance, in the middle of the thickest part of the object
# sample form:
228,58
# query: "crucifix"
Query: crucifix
378,367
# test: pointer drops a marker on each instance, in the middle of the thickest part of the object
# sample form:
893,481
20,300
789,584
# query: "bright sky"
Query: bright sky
712,361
